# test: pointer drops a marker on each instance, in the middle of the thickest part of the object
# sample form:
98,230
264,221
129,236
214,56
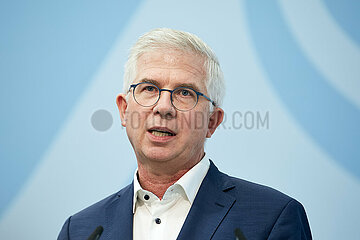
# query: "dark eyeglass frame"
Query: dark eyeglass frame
171,95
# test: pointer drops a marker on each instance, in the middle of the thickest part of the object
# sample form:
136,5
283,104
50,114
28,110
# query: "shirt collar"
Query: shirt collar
190,181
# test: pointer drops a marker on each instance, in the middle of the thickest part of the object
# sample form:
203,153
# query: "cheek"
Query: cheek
135,123
195,122
201,121
133,120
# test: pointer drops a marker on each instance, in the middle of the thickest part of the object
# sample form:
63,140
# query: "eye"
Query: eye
149,88
185,92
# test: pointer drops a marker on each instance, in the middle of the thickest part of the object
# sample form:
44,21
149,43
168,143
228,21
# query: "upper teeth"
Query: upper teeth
160,134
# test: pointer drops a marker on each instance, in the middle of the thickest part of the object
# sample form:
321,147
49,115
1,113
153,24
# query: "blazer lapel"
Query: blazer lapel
209,208
119,216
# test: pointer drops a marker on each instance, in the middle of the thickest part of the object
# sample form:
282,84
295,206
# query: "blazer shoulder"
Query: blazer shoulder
246,190
97,209
257,189
277,215
257,210
83,223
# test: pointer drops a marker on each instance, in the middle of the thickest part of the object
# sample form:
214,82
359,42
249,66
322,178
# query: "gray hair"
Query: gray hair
165,38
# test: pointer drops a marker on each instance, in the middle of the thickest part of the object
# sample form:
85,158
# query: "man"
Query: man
173,90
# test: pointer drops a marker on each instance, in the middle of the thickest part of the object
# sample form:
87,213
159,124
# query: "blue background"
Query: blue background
297,61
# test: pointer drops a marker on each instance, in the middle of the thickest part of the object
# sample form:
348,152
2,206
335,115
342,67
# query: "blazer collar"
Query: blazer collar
119,216
211,205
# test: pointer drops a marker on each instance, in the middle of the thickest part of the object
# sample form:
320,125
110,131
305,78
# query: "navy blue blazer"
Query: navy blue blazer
222,204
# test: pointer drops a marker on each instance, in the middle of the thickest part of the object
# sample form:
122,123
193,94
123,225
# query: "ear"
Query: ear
122,105
215,120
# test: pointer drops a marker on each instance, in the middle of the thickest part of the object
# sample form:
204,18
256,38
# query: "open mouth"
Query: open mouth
161,133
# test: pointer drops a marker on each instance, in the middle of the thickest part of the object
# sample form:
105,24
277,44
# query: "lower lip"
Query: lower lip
158,138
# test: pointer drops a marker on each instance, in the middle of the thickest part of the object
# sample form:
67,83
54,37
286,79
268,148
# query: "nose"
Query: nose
164,106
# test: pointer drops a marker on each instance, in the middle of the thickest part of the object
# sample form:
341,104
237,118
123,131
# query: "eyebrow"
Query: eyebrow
149,81
188,85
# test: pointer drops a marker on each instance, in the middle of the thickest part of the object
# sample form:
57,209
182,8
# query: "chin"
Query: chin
159,155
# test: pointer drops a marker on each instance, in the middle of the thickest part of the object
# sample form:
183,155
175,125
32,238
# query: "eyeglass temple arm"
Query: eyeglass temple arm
201,94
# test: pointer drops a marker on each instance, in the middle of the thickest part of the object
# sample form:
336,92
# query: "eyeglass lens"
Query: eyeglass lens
147,94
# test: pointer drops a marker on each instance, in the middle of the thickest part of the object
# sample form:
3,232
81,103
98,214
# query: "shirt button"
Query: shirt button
158,220
146,197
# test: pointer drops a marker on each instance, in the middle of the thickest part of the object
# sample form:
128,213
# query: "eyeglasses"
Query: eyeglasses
182,98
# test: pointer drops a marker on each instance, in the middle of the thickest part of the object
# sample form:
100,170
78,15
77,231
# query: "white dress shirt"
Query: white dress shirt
156,219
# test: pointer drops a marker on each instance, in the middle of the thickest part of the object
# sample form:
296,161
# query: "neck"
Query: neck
158,179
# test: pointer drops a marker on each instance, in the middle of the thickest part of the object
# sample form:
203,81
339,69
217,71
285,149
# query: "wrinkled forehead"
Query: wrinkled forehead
171,65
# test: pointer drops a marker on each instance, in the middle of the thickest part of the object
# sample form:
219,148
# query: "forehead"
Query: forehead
171,68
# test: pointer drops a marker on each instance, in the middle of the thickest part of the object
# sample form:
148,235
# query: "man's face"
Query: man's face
185,132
